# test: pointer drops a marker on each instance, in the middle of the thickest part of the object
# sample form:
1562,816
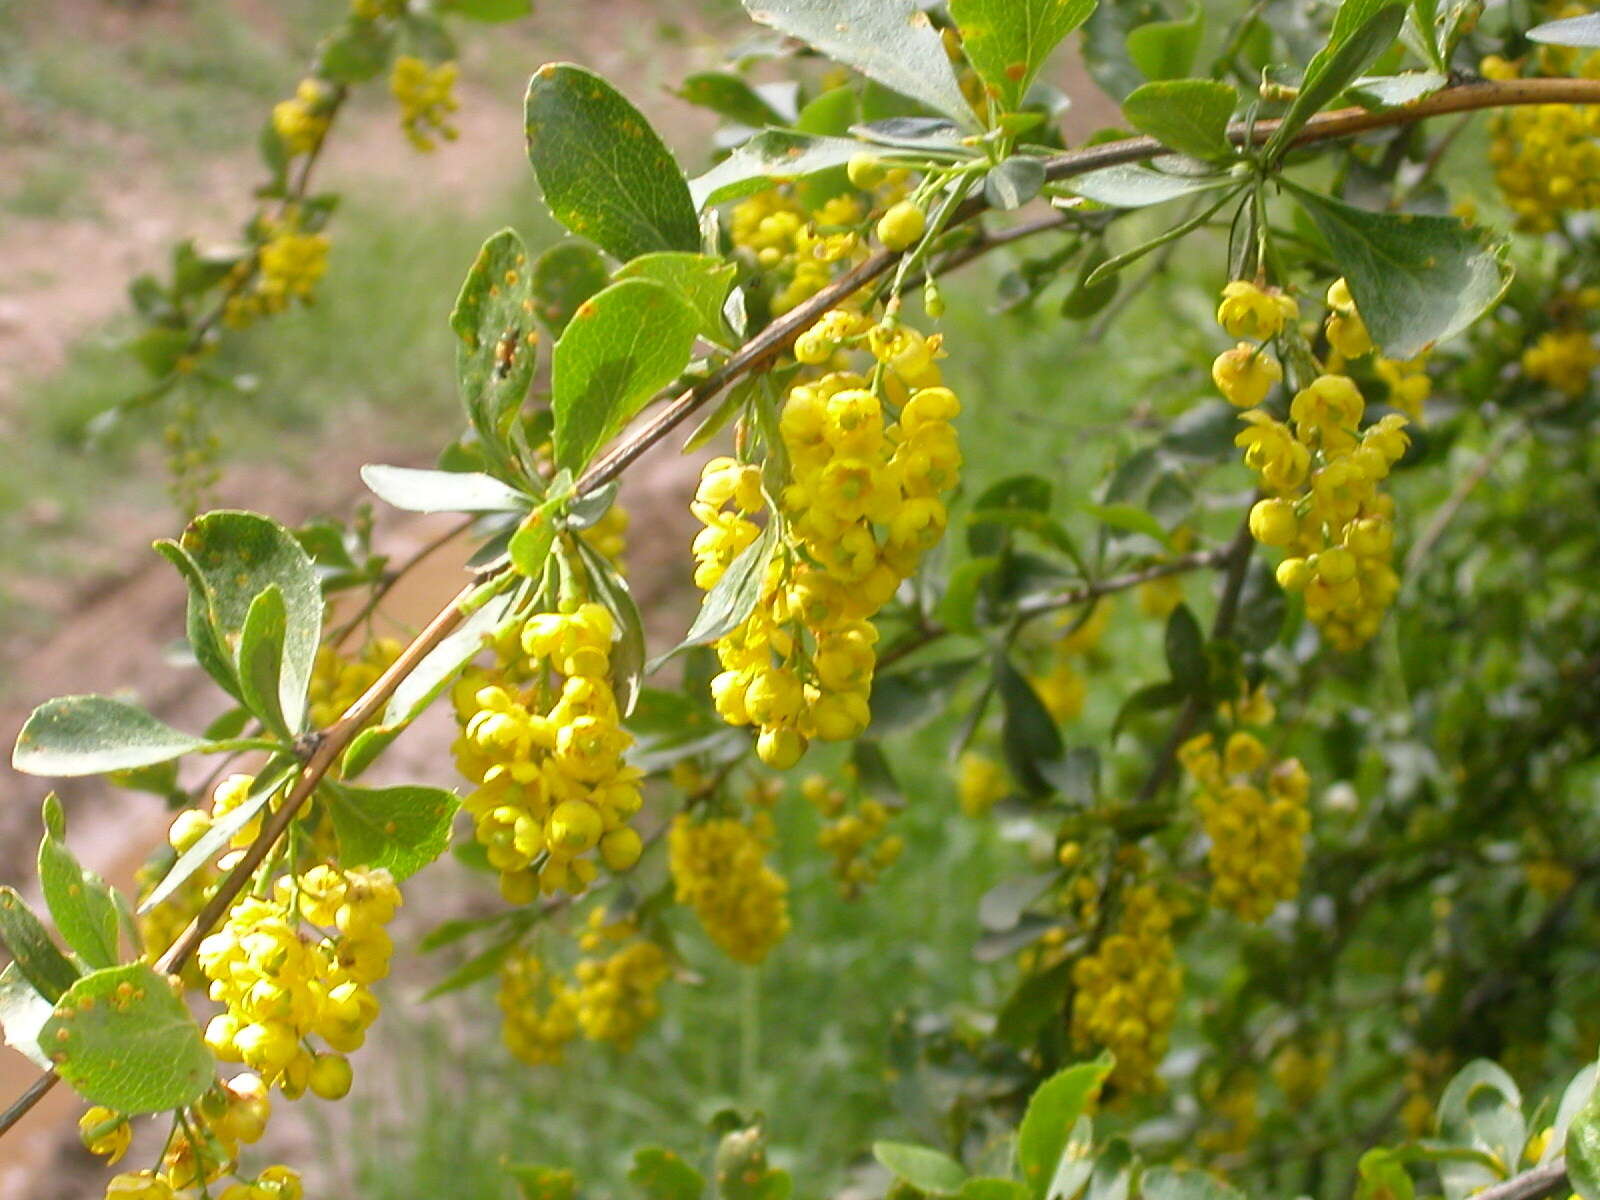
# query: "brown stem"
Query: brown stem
1346,122
1530,1185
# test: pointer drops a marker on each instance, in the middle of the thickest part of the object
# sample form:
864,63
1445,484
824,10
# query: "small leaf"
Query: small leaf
890,41
772,157
1581,31
1576,1097
1131,186
402,829
1153,698
496,339
1007,41
123,1038
1186,650
80,902
90,735
1014,182
1028,733
1583,1150
1047,1125
530,544
441,491
990,1188
261,661
440,666
1189,115
1076,1163
1002,906
564,276
699,280
23,1012
624,345
605,173
479,967
733,597
1416,279
489,10
1362,30
1396,91
663,1175
1167,49
729,96
1129,518
229,558
32,952
923,1168
356,52
1114,1172
221,832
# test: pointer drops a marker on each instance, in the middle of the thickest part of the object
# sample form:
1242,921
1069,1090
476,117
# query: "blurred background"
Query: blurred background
126,126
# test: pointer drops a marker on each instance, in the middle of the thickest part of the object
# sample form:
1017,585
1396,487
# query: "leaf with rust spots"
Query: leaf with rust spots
1007,41
401,829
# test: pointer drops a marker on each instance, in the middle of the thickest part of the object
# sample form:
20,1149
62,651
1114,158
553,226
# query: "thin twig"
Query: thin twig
1530,1185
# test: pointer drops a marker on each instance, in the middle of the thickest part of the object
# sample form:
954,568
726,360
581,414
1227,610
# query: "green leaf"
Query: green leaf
564,276
356,52
441,665
1046,1127
1383,1176
80,902
1573,1100
1583,1150
1076,1163
402,829
261,660
221,832
1007,41
90,735
1362,30
1129,518
1015,494
1013,183
1114,1172
479,967
495,355
123,1038
1189,115
229,558
773,157
441,491
1581,31
1416,279
624,345
729,96
1167,49
699,280
1481,1109
1002,906
530,545
990,1188
32,952
1028,733
23,1012
1163,1183
890,41
1396,91
923,1168
489,10
1152,698
627,653
663,1175
1186,650
733,597
605,173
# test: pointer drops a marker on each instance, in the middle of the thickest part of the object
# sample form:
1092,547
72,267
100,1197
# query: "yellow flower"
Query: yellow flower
719,869
427,98
1248,311
1245,375
980,783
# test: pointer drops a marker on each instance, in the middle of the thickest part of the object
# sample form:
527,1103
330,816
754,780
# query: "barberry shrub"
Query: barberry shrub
1284,906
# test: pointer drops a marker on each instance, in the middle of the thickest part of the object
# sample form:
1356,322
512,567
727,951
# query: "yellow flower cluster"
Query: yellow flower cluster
286,267
610,998
869,465
537,1004
981,783
1301,1071
427,97
1062,689
546,758
302,121
855,835
1545,157
1126,991
1232,1115
719,869
1563,359
1321,470
231,1113
338,682
1254,812
282,985
802,251
616,994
